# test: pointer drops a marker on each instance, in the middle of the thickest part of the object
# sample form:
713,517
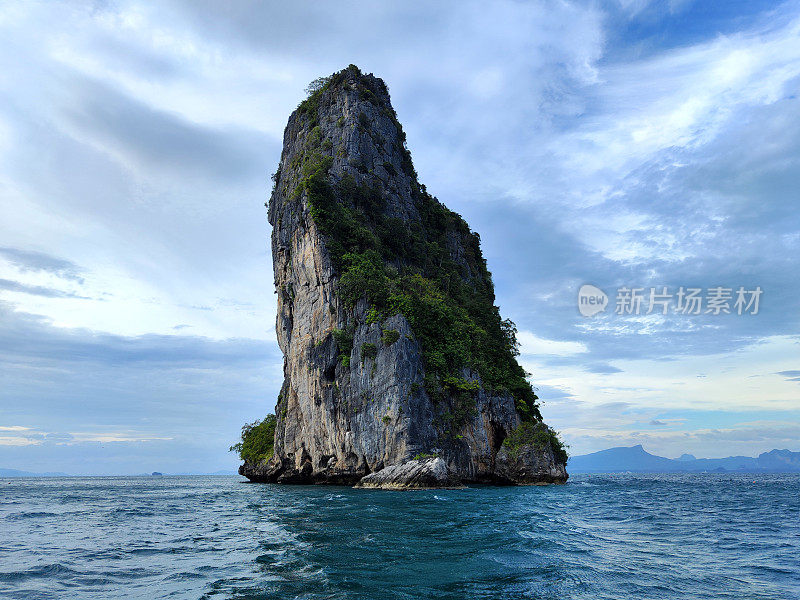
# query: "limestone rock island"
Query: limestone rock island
399,371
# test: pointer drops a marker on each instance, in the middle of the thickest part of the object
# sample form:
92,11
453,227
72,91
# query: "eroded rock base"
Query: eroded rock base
421,474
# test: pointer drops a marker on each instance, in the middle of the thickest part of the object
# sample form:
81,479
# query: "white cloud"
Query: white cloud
747,439
115,436
531,345
16,441
643,110
742,380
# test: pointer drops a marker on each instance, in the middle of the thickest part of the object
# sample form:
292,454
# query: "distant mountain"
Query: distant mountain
634,458
17,473
780,459
637,460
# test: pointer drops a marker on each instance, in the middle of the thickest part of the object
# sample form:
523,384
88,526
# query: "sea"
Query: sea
615,537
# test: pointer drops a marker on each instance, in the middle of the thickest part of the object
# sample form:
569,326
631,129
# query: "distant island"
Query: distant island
636,459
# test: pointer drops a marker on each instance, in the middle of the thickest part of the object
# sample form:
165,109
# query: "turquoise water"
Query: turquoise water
598,537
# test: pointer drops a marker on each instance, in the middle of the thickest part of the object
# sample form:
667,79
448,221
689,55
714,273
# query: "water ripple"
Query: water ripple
599,537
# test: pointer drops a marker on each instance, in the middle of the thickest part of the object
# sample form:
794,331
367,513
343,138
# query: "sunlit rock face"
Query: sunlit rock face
355,398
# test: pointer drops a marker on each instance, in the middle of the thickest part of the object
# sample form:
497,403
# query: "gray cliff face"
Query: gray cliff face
339,422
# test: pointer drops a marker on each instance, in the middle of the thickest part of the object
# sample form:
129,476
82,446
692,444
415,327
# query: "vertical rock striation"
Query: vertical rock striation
394,353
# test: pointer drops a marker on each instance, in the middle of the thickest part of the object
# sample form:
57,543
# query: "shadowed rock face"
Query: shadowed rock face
348,410
530,465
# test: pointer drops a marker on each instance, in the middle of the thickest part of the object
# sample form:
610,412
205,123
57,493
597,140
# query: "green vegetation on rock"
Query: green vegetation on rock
344,341
407,267
423,456
368,350
537,435
258,439
390,336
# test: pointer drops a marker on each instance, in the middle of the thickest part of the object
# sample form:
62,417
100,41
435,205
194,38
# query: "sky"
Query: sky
623,144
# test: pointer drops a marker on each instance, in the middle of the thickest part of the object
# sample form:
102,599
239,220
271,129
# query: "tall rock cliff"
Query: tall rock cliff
398,369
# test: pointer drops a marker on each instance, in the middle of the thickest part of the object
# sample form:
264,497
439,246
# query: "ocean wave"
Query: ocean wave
625,538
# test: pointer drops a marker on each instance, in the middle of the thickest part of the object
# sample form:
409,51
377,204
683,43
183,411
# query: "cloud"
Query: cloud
81,388
151,140
35,290
59,438
770,432
791,375
25,436
603,369
28,260
28,337
750,438
530,343
16,440
550,394
699,198
605,143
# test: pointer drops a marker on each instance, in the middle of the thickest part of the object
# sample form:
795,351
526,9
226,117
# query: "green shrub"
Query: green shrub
537,435
374,315
386,419
317,85
315,137
423,456
363,276
368,95
459,384
560,449
390,336
368,350
344,341
258,440
275,177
